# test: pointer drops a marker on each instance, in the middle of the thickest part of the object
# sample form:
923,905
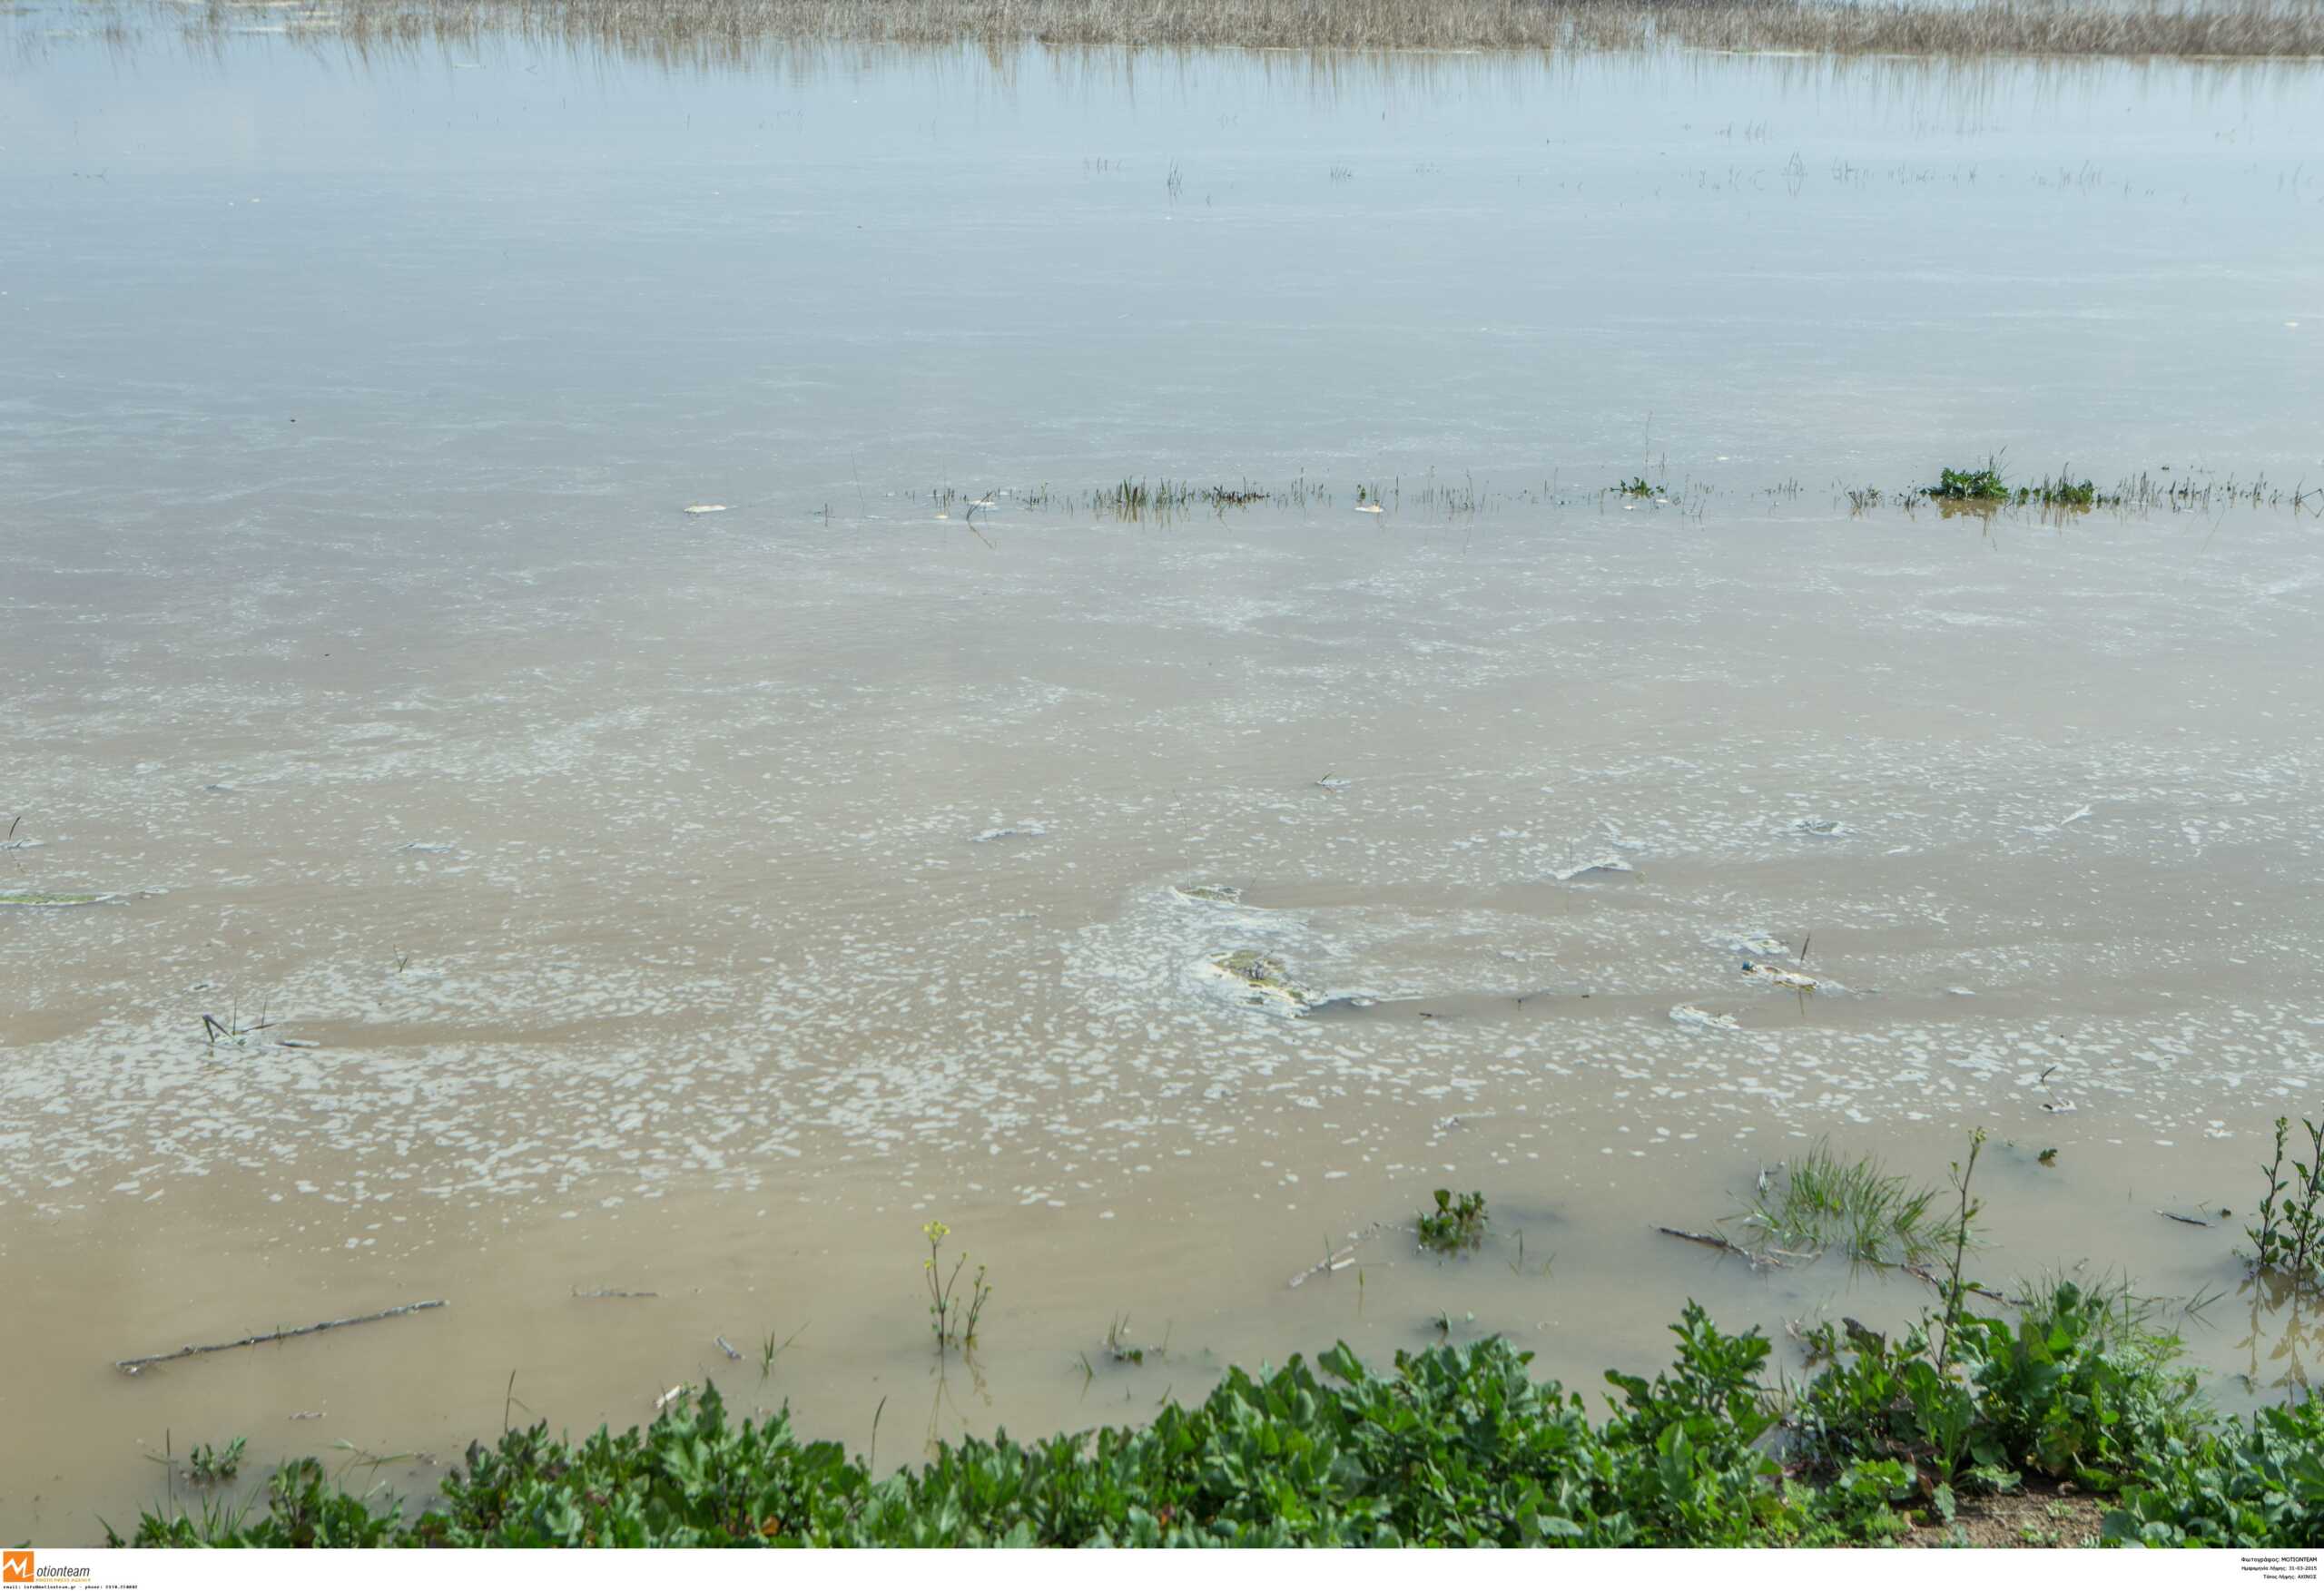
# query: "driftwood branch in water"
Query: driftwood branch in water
1712,1240
1934,1280
133,1365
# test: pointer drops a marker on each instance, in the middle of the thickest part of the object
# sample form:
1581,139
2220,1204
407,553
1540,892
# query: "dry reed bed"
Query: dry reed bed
733,30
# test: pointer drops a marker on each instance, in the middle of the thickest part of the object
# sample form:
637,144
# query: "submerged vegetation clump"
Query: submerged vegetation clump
737,32
210,1465
1983,490
1820,1203
2063,492
1455,1224
1971,486
1136,498
1121,1349
1133,499
1986,485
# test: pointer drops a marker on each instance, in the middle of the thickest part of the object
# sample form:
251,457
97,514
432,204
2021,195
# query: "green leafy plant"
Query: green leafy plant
1456,1445
2258,1484
2288,1238
1971,486
2081,1388
206,1464
2078,1387
1455,1224
1865,1494
1987,486
1944,1415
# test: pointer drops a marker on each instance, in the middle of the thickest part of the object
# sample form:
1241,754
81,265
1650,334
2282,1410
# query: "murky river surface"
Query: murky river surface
694,904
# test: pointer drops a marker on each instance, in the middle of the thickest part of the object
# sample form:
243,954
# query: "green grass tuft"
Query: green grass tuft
1820,1203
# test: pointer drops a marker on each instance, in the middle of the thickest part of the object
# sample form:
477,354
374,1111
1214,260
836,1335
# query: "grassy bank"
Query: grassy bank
732,29
2077,1398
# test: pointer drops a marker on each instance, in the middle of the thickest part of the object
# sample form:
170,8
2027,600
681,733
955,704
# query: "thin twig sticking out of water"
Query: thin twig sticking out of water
133,1366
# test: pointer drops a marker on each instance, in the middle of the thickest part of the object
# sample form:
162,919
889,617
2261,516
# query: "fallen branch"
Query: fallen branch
1339,1259
2181,1220
1934,1280
131,1366
1712,1240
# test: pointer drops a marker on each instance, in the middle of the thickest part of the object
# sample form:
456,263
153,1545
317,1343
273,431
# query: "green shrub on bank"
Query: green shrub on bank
2259,1483
1457,1446
2077,1390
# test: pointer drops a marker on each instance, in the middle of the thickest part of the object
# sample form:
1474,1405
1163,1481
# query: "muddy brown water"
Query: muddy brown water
694,904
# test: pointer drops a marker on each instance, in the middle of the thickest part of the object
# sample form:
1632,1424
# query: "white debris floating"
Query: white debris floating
1607,864
1696,1017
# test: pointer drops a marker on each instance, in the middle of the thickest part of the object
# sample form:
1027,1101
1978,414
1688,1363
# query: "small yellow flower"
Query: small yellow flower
935,1232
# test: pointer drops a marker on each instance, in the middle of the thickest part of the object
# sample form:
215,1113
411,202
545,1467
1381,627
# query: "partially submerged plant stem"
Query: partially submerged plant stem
2289,1238
1962,1173
952,1318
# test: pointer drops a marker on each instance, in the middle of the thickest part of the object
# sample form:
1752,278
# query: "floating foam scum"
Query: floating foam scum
1158,959
1260,981
1025,829
734,926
